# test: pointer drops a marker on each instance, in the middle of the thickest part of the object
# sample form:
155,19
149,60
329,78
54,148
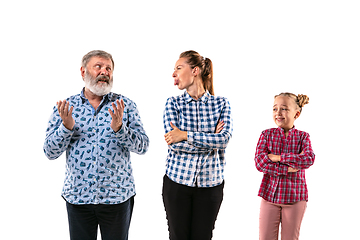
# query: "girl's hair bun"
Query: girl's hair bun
302,100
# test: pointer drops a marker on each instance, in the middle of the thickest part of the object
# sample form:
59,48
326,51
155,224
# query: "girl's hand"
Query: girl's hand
274,158
277,158
291,170
219,126
176,135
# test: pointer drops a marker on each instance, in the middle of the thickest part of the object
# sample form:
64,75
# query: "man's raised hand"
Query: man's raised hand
117,115
66,114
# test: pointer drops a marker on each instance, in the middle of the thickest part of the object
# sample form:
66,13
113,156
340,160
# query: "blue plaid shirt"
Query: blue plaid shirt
200,160
98,167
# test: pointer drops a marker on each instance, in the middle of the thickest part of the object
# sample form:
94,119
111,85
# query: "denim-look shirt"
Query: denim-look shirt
200,160
98,167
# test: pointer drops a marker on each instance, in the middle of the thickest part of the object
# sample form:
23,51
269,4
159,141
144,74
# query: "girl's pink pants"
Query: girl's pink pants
289,215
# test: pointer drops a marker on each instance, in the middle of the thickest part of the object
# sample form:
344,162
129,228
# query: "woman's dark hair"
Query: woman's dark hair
194,59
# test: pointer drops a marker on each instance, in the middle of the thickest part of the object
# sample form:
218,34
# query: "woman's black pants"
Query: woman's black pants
191,211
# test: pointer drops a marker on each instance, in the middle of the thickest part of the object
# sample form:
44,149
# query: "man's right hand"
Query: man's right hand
66,114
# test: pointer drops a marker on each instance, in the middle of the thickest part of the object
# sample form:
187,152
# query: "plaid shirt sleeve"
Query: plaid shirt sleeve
171,114
263,162
214,140
305,158
200,142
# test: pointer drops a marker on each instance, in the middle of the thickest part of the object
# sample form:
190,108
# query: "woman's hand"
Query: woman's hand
176,135
219,126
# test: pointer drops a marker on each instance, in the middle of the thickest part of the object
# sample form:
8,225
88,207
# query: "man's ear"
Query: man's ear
82,70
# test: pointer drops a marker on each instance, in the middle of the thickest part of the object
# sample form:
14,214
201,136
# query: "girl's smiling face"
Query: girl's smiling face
285,111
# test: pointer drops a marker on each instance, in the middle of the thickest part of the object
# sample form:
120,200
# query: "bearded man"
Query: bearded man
98,129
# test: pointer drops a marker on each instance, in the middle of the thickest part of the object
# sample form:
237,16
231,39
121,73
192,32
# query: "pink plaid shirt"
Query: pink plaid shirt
278,185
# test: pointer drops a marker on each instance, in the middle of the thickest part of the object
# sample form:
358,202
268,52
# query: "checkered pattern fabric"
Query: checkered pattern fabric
278,185
200,160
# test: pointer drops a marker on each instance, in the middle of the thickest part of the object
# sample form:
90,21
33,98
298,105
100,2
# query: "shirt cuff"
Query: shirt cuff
63,131
283,169
190,137
121,131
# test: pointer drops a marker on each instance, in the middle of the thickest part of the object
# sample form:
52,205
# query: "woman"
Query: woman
198,127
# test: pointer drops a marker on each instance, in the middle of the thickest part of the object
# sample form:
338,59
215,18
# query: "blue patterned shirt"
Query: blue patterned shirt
98,167
200,160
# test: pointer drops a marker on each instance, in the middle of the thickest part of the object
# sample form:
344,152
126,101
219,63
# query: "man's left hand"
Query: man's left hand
117,115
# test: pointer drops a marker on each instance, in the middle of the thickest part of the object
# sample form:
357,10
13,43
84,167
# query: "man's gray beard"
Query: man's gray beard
97,89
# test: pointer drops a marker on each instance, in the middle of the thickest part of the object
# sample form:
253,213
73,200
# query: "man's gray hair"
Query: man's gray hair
96,53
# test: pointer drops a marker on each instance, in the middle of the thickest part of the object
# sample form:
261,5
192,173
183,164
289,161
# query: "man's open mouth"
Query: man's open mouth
103,79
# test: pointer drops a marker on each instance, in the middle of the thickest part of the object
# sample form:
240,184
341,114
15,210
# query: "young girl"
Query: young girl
198,127
283,154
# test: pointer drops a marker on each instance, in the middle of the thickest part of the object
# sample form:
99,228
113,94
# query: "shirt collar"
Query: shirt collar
290,131
83,98
204,98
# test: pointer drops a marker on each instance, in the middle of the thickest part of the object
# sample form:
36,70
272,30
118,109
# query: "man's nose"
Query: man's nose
103,71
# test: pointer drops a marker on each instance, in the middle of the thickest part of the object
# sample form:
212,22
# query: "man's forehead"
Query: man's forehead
100,59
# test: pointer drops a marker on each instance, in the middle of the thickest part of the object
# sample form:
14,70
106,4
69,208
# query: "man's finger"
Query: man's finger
71,109
61,106
122,104
66,109
115,108
111,113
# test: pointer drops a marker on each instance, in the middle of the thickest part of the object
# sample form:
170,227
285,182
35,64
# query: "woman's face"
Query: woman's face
183,74
285,112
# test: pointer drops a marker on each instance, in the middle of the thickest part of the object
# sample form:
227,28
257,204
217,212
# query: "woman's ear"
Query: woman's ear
195,71
297,114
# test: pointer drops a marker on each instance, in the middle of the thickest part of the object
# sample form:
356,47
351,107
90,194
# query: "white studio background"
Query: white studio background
258,48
